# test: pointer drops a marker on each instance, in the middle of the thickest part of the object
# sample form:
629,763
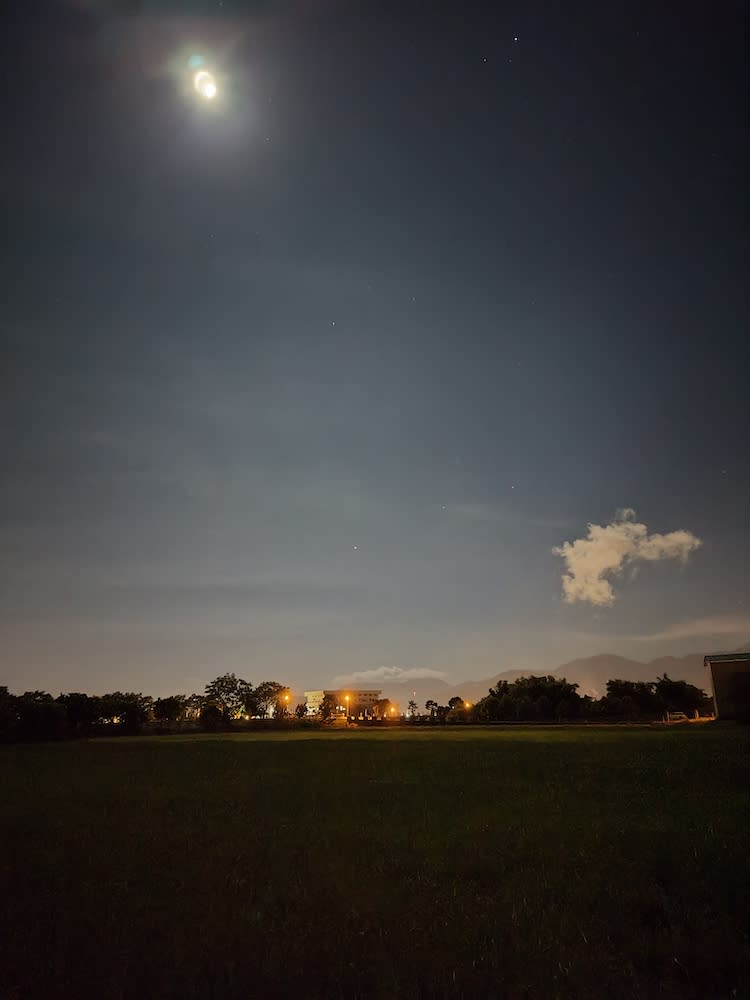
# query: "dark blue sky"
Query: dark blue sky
312,380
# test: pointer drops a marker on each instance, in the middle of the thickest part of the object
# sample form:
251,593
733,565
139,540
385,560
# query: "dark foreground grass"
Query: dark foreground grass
537,862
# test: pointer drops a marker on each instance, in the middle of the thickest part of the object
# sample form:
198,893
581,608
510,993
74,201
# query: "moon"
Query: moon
205,84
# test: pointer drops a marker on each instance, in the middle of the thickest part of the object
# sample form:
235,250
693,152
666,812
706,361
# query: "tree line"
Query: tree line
227,700
554,699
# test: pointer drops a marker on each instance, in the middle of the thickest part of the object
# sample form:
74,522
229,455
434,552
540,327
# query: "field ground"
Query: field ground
459,863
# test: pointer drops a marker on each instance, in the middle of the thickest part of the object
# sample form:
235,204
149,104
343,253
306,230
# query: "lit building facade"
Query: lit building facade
351,700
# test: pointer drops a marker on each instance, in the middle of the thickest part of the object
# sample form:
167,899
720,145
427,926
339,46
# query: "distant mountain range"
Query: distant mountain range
590,674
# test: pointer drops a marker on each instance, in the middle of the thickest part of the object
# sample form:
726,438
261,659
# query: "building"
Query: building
730,684
348,701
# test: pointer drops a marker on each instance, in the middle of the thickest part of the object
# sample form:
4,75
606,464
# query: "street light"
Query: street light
346,699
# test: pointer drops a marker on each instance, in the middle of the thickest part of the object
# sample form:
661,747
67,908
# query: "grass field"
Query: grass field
460,863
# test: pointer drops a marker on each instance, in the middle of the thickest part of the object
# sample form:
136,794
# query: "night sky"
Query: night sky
318,376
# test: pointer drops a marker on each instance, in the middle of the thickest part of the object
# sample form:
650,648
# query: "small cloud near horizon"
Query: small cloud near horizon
392,674
492,512
735,625
608,549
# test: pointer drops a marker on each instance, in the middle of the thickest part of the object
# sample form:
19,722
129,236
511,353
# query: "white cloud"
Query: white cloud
736,625
607,549
392,674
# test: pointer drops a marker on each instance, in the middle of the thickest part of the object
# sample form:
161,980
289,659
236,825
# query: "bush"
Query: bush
211,718
40,718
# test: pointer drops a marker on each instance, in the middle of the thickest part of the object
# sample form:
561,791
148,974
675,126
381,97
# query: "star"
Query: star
355,547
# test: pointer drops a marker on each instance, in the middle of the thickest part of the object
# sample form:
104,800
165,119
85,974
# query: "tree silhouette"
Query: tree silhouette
265,694
169,709
327,707
230,693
